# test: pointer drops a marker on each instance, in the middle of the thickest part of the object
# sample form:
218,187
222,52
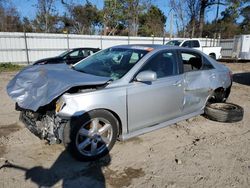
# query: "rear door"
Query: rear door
160,100
197,80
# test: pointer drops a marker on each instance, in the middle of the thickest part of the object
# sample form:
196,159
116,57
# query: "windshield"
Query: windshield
174,43
64,53
112,62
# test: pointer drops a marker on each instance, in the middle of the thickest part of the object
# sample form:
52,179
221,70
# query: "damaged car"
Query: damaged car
116,94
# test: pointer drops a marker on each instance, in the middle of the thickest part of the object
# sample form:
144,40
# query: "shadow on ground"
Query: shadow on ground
242,78
67,171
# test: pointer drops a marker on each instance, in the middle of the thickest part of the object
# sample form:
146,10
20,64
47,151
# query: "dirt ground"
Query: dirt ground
192,153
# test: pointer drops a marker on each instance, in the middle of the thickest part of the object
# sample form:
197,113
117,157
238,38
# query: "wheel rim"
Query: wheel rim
94,137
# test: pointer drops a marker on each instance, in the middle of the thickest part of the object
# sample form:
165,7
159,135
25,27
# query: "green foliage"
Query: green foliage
27,25
112,17
47,18
227,25
245,25
131,11
83,18
152,22
131,18
8,67
10,18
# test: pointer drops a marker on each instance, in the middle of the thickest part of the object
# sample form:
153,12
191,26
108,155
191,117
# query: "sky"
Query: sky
27,8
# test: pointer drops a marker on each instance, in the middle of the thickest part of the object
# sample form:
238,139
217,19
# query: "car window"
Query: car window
90,52
84,53
64,53
191,61
163,64
195,44
112,62
134,57
187,44
74,53
174,43
206,64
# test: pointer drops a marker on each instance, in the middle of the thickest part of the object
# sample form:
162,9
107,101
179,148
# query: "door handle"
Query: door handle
212,75
177,83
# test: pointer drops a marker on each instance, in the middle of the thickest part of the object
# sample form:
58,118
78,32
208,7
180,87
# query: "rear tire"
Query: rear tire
91,136
220,95
224,112
213,56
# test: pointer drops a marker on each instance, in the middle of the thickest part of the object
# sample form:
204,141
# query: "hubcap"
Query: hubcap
94,137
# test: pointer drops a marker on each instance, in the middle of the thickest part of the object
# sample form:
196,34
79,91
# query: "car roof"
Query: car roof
144,46
85,48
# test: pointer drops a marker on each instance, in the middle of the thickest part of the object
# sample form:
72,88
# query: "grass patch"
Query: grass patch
7,67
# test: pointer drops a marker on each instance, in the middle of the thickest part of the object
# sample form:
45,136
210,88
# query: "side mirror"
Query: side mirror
146,76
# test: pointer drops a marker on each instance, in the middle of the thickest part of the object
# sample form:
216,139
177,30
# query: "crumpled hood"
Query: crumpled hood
38,85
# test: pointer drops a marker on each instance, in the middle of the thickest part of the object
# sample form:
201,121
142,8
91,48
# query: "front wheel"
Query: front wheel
91,136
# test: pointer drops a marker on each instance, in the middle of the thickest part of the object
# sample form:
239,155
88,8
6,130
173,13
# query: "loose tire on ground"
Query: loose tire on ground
75,134
224,112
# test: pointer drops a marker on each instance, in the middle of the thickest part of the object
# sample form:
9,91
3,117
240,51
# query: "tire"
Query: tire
91,136
220,96
224,112
212,56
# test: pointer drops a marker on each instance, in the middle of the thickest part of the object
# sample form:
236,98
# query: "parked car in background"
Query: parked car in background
69,57
120,92
214,52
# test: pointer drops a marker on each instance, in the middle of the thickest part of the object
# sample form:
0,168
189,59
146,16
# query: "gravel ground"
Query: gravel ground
192,153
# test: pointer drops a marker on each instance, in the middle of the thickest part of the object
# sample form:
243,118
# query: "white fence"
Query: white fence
29,47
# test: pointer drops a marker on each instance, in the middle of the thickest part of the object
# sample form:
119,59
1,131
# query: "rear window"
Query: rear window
194,61
191,61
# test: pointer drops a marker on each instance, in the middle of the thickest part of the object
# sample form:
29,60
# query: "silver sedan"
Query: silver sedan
117,93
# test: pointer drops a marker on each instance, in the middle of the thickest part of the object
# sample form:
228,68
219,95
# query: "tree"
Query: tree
178,6
228,23
192,12
204,4
131,11
84,18
113,18
27,25
152,22
46,19
245,25
10,18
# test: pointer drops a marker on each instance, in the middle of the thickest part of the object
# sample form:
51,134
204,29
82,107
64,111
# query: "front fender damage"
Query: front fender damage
37,86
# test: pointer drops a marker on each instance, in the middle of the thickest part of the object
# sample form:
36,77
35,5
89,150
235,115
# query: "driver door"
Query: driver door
160,100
